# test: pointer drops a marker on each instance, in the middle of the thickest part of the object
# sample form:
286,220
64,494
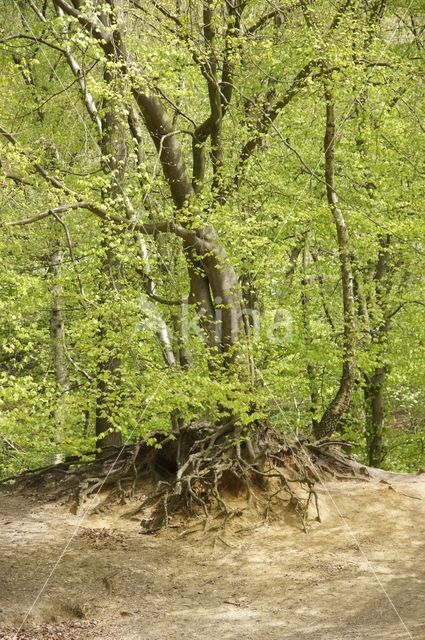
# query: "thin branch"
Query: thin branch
161,9
281,11
71,251
37,11
80,77
21,36
402,305
37,166
94,27
77,366
266,121
54,211
178,230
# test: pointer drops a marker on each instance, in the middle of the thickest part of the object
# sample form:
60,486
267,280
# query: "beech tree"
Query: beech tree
216,207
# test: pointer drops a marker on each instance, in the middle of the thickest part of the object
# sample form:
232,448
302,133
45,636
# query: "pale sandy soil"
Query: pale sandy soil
359,575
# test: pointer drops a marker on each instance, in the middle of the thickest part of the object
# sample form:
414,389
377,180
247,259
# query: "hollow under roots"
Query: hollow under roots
197,472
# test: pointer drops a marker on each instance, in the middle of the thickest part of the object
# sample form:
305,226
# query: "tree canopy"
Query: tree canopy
211,211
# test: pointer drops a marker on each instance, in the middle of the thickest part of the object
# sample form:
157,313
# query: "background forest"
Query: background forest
211,209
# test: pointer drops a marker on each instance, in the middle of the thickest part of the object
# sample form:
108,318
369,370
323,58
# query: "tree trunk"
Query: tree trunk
214,286
374,398
114,154
375,382
57,341
306,314
106,382
340,403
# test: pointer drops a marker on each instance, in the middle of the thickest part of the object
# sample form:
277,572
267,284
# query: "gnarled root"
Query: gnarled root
199,472
263,465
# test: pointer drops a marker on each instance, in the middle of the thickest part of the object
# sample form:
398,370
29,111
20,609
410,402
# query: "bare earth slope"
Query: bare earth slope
358,575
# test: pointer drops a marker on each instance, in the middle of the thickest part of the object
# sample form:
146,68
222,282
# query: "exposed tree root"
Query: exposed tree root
199,472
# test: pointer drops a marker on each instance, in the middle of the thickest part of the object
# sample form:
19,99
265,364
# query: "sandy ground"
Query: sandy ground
359,575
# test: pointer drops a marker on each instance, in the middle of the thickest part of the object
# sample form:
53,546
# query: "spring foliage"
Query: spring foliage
131,344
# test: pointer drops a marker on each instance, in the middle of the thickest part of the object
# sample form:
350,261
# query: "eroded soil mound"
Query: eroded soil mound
359,574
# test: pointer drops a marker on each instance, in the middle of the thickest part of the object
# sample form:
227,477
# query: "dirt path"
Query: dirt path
349,578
